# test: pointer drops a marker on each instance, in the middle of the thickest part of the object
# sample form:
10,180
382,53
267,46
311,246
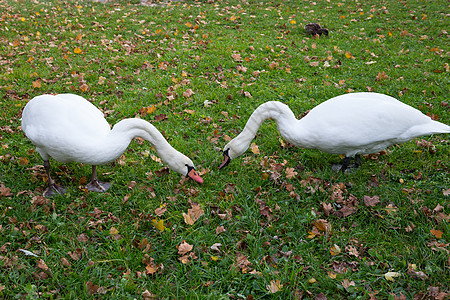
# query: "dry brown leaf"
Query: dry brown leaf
220,229
42,265
371,201
188,93
275,286
436,233
184,248
290,173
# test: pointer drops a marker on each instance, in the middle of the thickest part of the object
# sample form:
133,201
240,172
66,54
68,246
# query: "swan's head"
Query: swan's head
183,165
233,149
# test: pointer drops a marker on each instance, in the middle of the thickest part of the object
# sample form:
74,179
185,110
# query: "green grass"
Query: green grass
150,56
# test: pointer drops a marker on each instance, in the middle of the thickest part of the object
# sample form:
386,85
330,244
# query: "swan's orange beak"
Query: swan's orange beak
226,160
194,176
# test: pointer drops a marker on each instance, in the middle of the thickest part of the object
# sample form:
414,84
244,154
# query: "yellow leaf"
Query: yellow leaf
188,24
215,258
312,280
348,54
254,148
436,233
113,231
159,224
79,36
292,22
84,87
390,276
335,250
77,50
37,84
101,80
331,275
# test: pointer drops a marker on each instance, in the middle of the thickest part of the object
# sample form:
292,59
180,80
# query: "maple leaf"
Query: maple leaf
77,50
37,84
184,248
436,233
275,286
290,173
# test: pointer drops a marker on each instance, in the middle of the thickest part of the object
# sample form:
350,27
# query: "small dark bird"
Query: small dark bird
314,28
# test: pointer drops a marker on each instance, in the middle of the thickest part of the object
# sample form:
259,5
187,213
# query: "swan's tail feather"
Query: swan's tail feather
433,127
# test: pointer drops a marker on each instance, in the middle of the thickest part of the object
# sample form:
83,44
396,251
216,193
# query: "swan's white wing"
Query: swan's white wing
362,123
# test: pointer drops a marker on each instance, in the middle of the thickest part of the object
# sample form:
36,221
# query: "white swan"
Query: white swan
69,128
350,124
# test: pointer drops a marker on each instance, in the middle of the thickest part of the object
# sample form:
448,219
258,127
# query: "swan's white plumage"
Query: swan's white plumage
68,128
350,124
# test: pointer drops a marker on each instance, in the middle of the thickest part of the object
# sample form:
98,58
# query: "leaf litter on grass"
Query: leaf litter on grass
278,217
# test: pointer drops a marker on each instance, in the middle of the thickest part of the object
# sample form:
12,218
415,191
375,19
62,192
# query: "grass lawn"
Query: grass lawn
277,222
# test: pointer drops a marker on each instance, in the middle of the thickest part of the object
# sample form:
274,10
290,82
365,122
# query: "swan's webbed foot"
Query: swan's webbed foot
54,189
98,186
345,165
95,185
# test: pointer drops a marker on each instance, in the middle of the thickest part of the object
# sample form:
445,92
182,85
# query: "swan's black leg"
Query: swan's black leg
95,185
345,164
357,160
52,188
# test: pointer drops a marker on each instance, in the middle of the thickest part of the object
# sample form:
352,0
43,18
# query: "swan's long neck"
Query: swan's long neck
277,111
124,131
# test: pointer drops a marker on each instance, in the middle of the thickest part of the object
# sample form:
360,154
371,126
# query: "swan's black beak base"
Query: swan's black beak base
226,159
193,174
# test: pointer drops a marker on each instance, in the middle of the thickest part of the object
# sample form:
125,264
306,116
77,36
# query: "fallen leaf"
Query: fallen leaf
346,283
390,276
290,173
159,224
371,201
188,93
77,50
436,233
335,250
220,229
216,246
42,265
161,210
184,248
37,84
254,148
275,286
